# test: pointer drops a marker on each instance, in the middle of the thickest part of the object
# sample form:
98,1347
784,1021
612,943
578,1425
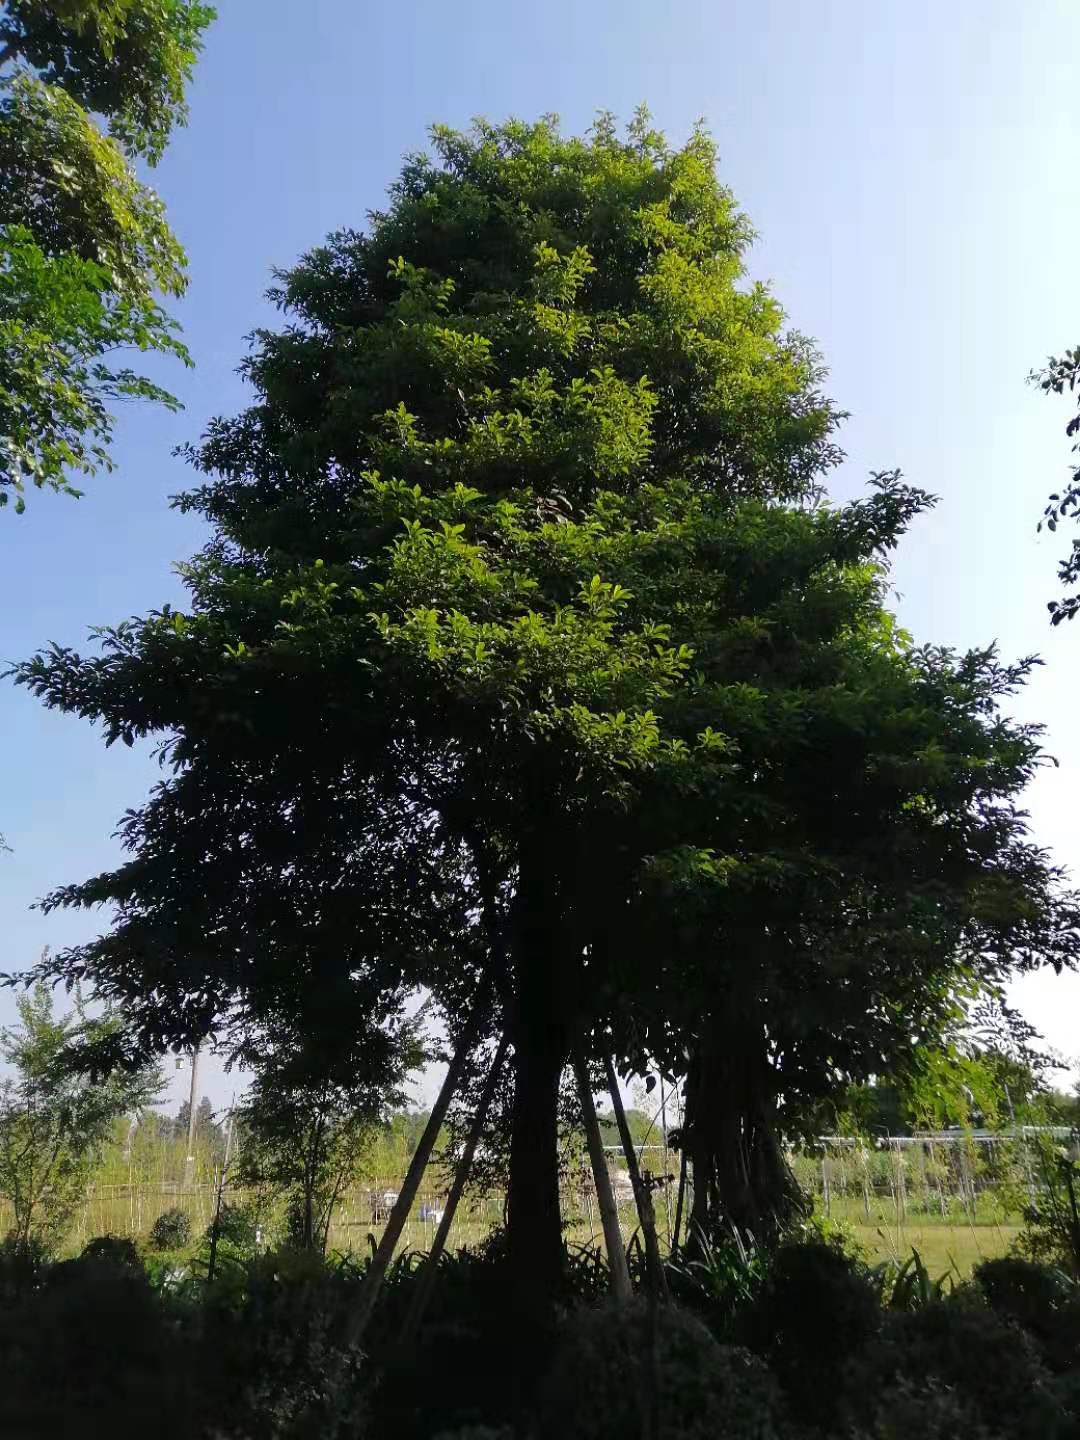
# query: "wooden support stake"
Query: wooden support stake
677,1226
605,1194
357,1321
426,1282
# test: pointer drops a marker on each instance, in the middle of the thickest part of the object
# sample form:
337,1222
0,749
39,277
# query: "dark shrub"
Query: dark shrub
171,1230
271,1358
92,1353
928,1412
815,1314
113,1250
1040,1299
707,1391
22,1265
989,1365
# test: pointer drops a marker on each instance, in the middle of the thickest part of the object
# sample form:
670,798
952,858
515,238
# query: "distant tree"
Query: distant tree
311,1113
85,248
54,1122
1061,374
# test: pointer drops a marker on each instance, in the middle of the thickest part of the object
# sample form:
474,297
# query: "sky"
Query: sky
910,170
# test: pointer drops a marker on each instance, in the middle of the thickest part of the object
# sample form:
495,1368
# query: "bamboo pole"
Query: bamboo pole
357,1321
605,1194
426,1282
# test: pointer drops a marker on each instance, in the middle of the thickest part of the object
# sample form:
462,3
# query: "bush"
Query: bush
959,1345
272,1359
171,1230
929,1412
92,1352
22,1265
236,1229
817,1311
707,1391
1038,1298
113,1250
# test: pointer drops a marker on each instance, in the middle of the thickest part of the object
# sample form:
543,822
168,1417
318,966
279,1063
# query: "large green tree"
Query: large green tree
518,623
85,250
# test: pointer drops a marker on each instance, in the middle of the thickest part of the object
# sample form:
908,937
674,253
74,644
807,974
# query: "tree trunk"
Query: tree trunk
541,1045
741,1177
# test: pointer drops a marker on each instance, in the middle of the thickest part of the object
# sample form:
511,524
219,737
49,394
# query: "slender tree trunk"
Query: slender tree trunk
605,1195
426,1282
384,1251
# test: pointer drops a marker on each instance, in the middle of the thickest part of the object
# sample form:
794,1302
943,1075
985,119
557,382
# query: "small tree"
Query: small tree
54,1122
310,1118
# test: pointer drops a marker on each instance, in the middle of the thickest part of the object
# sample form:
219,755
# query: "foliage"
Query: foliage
705,1389
1052,1220
236,1228
54,1122
718,1279
114,1250
129,60
62,1343
171,1230
271,1357
85,248
59,318
909,1286
1061,374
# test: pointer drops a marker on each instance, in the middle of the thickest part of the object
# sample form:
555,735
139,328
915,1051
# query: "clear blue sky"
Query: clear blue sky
910,168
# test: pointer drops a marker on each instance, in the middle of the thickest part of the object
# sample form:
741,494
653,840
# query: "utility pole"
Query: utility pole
189,1162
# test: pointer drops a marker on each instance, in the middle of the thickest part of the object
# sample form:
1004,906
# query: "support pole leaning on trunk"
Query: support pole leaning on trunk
426,1283
372,1283
642,1193
677,1226
605,1194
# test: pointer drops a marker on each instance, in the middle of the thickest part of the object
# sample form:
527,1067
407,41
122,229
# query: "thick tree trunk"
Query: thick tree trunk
741,1178
541,1045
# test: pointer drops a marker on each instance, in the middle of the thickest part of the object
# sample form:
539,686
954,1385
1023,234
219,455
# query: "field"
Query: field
882,1229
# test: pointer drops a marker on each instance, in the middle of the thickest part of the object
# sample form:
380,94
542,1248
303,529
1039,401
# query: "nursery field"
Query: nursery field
954,1241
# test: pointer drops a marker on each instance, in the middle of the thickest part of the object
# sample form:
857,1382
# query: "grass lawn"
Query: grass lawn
940,1246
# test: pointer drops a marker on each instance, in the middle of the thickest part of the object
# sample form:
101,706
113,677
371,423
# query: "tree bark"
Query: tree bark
605,1195
541,1045
741,1177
